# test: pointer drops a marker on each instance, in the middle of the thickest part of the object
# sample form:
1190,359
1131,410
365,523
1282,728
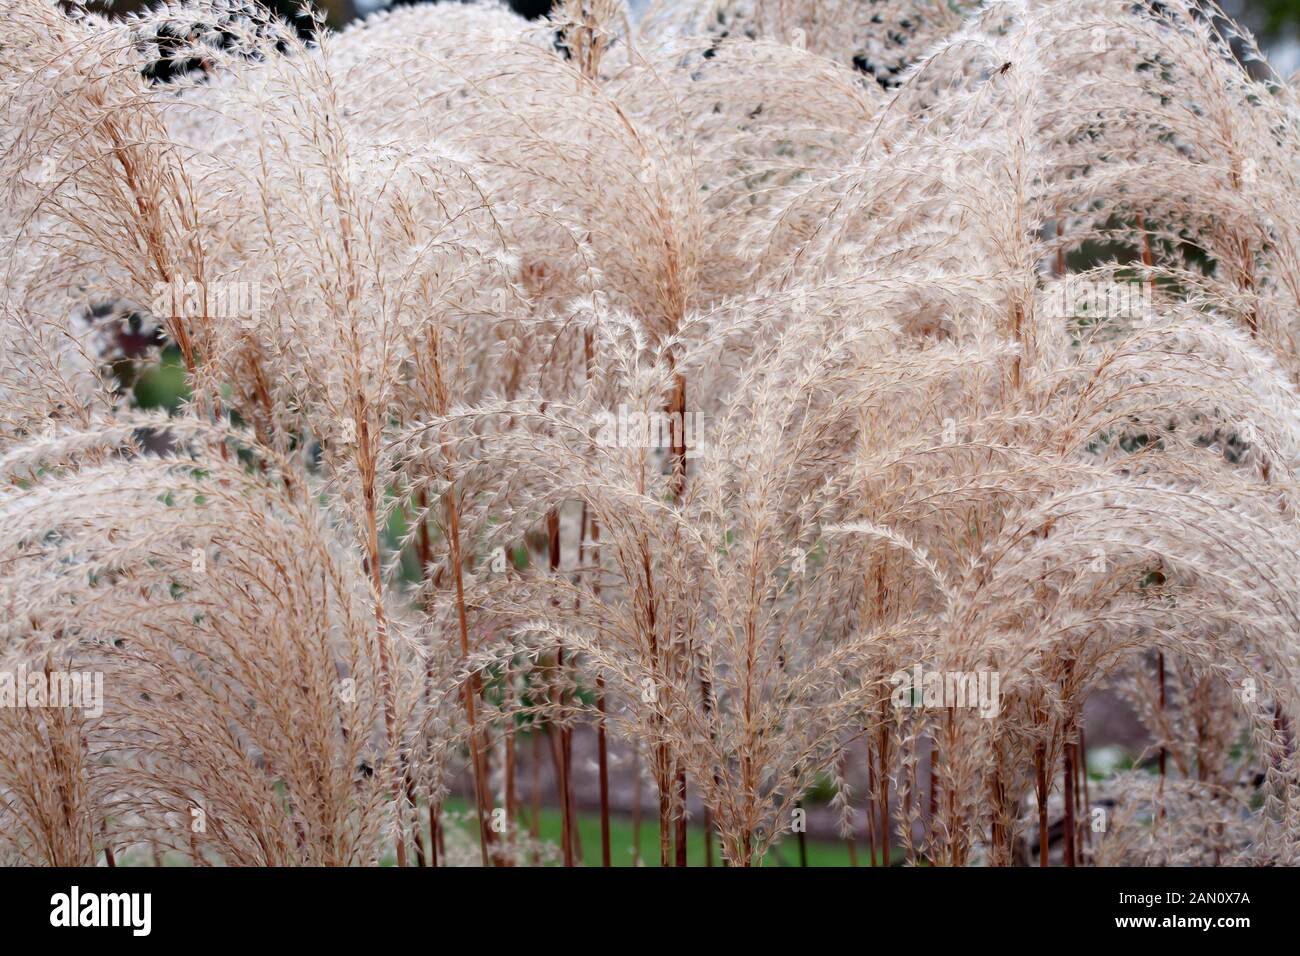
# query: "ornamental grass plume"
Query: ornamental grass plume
696,381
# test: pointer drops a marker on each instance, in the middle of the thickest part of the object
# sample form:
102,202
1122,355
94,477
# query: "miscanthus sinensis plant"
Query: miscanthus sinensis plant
712,383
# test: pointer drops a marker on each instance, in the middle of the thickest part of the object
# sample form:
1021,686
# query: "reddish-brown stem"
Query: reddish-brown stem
472,685
1002,848
636,803
1069,831
663,775
435,834
1040,790
424,553
680,823
708,836
560,743
591,532
956,851
871,803
388,698
1083,776
883,777
934,788
512,804
706,697
677,426
1060,249
1164,753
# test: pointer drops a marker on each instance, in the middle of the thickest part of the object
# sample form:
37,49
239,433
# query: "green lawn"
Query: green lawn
820,852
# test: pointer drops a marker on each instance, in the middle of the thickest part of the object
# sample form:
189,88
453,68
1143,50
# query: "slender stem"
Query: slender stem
662,773
602,758
1164,753
512,803
1083,774
680,828
934,790
561,744
1040,788
472,685
1069,833
677,420
366,468
562,788
871,803
435,833
884,788
636,802
591,532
